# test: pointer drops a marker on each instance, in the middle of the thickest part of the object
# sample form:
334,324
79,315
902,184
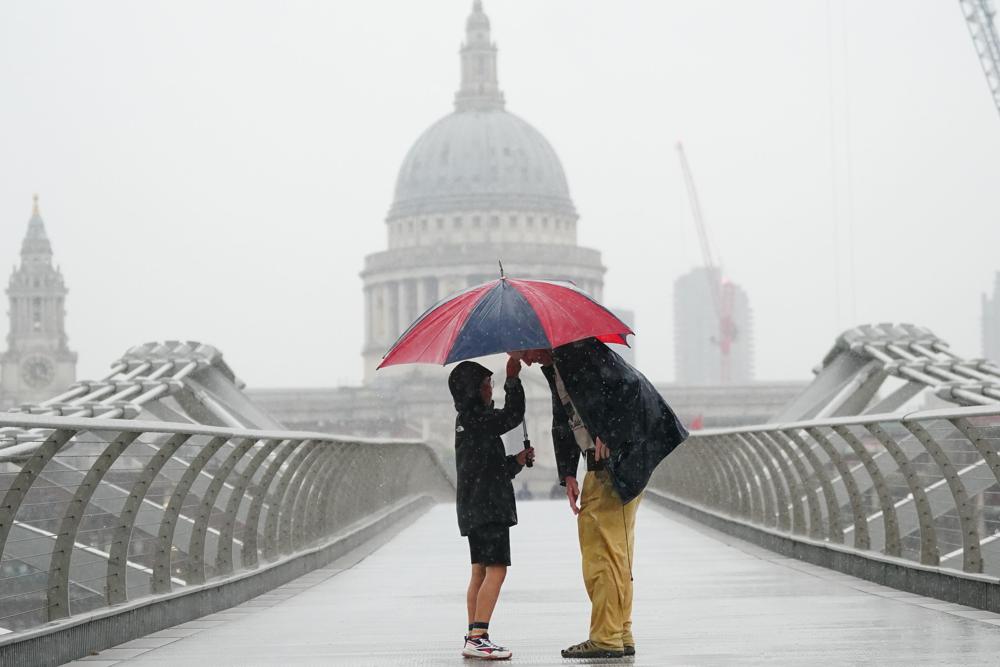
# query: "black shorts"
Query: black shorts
490,544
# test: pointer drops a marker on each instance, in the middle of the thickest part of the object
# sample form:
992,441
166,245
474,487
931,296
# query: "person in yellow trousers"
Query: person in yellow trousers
607,412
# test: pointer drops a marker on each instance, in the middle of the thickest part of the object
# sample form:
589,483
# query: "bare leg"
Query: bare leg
475,582
489,591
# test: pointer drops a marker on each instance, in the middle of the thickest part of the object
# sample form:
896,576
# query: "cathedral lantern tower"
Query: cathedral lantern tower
38,363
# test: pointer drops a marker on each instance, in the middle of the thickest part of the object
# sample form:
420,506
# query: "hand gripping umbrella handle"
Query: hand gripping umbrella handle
527,442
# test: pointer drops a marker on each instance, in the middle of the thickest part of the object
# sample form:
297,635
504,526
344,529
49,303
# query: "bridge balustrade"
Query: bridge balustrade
922,488
102,512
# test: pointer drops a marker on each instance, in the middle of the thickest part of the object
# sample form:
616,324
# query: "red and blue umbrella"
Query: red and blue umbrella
505,315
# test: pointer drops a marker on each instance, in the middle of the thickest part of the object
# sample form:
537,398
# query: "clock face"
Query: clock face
37,371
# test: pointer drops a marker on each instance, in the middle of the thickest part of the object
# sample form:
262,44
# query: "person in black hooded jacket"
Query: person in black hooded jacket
484,493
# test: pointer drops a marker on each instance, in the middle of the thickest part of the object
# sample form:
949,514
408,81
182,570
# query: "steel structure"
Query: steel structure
164,477
880,368
920,487
843,465
262,495
979,17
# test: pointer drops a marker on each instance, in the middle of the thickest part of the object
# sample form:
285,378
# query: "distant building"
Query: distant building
697,353
38,362
991,323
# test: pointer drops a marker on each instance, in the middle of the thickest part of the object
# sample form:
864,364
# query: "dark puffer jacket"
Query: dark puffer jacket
485,494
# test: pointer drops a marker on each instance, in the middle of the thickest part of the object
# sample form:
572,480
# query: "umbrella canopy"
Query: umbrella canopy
505,315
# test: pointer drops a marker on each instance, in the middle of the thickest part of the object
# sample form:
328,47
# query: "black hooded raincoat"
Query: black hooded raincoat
485,494
618,405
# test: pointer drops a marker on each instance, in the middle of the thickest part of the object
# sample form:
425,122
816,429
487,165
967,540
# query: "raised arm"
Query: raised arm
511,414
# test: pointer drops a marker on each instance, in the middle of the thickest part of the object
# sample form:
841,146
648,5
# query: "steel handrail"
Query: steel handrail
916,485
231,500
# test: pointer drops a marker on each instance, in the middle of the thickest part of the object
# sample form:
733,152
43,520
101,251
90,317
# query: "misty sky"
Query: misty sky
217,170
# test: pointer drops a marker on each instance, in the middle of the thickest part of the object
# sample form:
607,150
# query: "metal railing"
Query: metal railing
923,486
98,512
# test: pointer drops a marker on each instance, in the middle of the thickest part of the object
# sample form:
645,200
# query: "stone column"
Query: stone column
368,315
401,308
424,297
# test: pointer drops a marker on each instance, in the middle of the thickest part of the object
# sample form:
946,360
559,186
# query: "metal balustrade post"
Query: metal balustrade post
834,527
689,478
761,509
276,498
862,538
297,528
889,520
768,476
324,480
287,506
929,553
972,558
15,495
715,493
116,587
165,538
734,476
262,490
329,505
224,554
974,435
195,570
785,475
787,449
342,510
62,552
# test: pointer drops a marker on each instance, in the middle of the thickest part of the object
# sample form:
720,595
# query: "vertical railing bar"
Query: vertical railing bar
165,538
835,530
249,557
972,558
323,485
287,504
299,503
224,553
62,551
787,450
795,490
768,475
929,551
116,587
755,491
889,521
196,549
32,468
276,499
862,538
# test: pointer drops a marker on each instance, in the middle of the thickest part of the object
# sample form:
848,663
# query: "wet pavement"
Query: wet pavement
701,598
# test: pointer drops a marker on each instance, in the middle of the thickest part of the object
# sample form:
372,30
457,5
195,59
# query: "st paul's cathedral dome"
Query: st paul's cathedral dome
478,186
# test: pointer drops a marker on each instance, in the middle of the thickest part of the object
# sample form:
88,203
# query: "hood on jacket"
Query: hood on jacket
464,383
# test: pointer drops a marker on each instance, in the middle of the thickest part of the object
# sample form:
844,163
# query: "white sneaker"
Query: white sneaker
481,647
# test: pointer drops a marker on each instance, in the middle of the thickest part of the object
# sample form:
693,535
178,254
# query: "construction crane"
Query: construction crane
979,18
720,289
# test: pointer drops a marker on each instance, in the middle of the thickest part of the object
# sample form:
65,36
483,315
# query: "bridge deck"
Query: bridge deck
701,599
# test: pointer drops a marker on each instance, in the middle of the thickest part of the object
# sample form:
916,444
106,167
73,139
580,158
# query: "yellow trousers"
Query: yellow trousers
607,547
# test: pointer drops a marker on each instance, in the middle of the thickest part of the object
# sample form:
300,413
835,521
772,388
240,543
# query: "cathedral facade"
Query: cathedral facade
38,363
479,186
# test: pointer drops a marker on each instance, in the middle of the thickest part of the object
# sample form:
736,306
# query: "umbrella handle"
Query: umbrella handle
527,442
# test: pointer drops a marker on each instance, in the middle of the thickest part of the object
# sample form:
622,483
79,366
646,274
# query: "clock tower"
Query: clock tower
38,363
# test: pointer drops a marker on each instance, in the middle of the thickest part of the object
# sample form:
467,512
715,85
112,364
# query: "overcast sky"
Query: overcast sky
217,170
